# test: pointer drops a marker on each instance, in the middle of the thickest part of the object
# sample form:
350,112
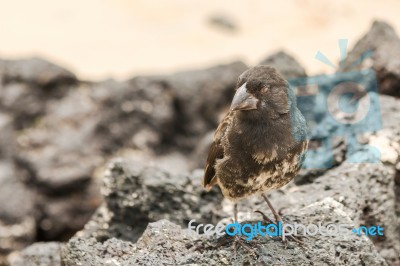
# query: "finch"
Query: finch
260,144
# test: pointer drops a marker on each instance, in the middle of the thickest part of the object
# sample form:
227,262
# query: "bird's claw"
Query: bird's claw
239,242
288,237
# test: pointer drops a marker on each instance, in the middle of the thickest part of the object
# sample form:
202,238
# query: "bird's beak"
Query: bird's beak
243,100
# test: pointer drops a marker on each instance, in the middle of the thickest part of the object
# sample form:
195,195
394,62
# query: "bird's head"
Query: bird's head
261,89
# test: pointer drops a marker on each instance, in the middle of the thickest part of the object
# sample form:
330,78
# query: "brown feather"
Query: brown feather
216,152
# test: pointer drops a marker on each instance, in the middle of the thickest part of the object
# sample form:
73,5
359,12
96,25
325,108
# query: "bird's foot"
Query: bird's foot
240,242
287,237
198,245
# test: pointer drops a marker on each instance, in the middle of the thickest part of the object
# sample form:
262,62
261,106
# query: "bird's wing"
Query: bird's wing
216,152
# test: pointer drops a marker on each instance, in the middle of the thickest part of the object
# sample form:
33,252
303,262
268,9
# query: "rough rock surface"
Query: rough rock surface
38,254
361,194
379,49
132,196
165,243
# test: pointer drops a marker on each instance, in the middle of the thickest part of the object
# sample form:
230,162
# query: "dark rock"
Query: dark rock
286,64
17,221
172,162
199,97
139,115
27,215
366,191
382,45
27,85
390,112
129,118
388,142
60,216
164,242
59,157
144,114
35,70
25,102
7,133
38,254
17,235
144,185
53,149
18,198
132,200
355,193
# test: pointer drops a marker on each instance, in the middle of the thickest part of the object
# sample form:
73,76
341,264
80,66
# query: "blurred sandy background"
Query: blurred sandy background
121,38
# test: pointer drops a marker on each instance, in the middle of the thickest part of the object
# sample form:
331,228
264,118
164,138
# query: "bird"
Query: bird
260,144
